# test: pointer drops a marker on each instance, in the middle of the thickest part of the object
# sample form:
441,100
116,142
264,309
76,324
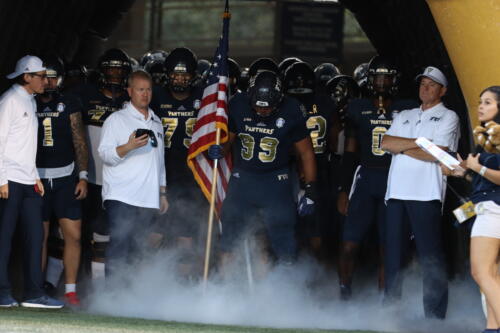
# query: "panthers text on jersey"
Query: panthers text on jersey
368,126
264,143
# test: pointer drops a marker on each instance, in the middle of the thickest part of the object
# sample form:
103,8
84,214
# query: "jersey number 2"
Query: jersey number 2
317,127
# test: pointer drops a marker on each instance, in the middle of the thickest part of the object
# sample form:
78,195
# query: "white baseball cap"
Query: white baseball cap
435,75
27,64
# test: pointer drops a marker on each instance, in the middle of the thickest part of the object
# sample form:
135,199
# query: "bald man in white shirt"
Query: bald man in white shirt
134,181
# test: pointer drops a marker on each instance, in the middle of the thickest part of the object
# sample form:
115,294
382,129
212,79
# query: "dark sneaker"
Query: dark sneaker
44,302
7,302
72,299
345,292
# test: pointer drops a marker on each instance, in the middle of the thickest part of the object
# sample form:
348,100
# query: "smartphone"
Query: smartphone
141,131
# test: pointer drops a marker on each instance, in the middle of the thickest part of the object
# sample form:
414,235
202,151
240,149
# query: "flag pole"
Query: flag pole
211,215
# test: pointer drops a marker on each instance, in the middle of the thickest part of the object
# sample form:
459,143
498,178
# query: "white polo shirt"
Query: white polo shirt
18,136
412,179
136,178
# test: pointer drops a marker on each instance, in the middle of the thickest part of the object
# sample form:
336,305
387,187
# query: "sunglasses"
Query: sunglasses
42,76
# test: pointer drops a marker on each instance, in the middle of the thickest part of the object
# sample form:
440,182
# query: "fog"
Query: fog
300,296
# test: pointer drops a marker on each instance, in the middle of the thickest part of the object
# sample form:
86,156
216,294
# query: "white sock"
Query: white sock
55,268
70,287
98,270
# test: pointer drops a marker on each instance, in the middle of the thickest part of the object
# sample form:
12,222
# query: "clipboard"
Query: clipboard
443,157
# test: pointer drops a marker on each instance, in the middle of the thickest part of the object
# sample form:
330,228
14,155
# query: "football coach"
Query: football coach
415,188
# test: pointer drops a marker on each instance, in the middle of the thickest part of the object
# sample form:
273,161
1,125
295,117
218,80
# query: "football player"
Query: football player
264,126
61,151
367,121
284,64
99,101
360,75
324,73
323,125
156,68
262,64
177,105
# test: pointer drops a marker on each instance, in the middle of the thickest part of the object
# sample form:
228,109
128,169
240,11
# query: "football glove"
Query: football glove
307,201
215,152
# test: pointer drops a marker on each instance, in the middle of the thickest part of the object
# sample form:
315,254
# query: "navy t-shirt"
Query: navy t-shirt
367,126
483,189
55,140
264,143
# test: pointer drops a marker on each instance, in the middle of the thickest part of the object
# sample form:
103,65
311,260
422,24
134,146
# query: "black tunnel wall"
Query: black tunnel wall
63,27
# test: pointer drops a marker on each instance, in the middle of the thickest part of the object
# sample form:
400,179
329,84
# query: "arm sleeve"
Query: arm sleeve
448,133
4,130
109,142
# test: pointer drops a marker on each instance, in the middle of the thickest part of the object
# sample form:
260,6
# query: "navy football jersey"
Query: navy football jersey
264,144
319,113
364,123
178,117
96,108
55,140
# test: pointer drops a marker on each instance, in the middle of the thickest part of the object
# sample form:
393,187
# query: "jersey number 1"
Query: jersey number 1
48,140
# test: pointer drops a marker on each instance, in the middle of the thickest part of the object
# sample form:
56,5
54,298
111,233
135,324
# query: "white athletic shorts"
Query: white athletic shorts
487,222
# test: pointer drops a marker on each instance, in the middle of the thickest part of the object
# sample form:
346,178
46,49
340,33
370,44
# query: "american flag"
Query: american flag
213,115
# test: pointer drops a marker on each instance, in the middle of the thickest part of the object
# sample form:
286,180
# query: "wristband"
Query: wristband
163,194
83,175
482,171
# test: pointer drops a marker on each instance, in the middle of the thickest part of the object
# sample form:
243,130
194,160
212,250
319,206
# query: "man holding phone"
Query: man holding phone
21,190
134,182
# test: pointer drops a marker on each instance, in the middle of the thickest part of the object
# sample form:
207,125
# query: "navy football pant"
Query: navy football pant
423,219
267,195
366,205
23,205
128,227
